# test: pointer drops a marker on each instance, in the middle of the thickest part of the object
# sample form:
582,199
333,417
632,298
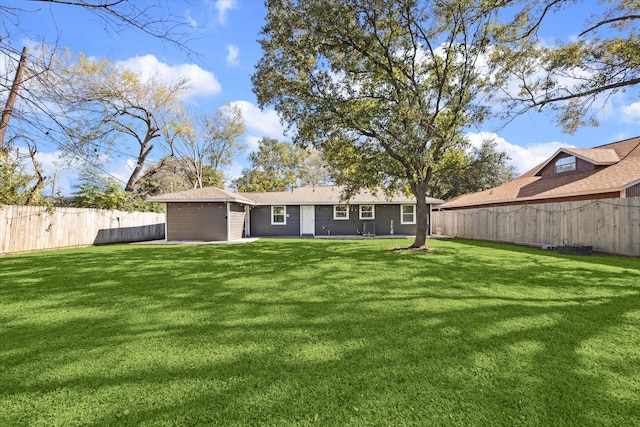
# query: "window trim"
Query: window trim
336,218
567,164
373,212
284,214
413,208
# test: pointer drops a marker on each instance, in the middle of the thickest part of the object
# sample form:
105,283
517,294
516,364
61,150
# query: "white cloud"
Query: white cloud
232,54
223,6
631,113
522,158
203,83
259,123
192,22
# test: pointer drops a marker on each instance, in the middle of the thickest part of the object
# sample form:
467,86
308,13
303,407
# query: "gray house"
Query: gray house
213,214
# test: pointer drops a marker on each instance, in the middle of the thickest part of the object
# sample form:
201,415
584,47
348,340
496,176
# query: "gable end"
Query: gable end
581,165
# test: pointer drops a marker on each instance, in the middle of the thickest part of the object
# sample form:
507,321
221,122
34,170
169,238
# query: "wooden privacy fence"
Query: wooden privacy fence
610,225
33,228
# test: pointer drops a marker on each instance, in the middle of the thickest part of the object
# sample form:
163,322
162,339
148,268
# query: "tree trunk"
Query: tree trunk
142,156
422,216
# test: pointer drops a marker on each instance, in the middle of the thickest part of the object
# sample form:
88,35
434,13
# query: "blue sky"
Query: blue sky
226,50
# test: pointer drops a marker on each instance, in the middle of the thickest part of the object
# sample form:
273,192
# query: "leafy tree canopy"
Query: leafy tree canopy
17,186
382,88
470,170
104,192
275,166
575,78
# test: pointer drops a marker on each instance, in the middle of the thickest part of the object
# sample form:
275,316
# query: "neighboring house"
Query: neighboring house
571,174
214,214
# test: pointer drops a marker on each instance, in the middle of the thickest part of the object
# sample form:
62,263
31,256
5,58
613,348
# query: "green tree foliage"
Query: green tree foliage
573,79
15,183
276,166
210,145
470,170
19,186
382,88
104,192
170,177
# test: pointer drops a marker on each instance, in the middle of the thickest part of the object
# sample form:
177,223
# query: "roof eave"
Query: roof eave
244,202
526,199
360,202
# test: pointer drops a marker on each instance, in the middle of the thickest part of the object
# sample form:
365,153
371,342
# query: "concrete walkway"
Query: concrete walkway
196,242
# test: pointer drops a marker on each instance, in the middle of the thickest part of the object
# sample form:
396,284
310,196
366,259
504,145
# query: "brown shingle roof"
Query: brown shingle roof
612,178
597,156
310,195
328,195
206,194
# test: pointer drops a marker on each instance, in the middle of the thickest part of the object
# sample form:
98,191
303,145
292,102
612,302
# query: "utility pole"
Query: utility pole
13,95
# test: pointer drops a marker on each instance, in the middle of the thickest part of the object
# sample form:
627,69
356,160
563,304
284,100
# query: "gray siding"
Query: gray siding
261,222
325,224
196,221
384,214
237,221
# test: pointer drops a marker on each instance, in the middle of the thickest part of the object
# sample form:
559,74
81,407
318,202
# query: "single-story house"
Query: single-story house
211,214
571,174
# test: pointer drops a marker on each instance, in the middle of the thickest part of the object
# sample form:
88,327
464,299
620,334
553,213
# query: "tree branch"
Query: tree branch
609,21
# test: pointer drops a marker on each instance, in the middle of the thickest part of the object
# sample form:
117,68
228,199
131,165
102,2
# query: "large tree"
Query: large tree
32,119
108,108
383,88
152,19
573,78
470,170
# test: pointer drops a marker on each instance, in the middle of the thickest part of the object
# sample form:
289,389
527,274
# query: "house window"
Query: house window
278,215
367,212
566,164
340,212
407,214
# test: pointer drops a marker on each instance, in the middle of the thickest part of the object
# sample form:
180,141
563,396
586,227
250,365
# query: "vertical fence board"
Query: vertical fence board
611,225
31,228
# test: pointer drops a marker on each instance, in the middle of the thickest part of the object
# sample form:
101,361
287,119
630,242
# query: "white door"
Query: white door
308,220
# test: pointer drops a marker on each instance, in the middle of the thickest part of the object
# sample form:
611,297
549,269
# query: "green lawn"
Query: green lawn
317,332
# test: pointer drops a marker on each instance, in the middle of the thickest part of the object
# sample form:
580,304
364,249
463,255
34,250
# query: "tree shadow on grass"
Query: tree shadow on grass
303,332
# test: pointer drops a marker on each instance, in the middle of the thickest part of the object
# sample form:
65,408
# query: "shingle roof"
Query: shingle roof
615,176
309,195
329,195
206,194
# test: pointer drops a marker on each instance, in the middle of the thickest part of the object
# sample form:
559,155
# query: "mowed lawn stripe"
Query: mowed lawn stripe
319,332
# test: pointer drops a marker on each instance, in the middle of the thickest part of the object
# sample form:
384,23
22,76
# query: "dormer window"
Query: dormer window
566,164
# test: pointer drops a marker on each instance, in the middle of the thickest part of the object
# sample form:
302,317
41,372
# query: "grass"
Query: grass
306,332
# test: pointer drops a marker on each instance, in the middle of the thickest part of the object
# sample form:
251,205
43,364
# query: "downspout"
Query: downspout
247,221
429,219
166,219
